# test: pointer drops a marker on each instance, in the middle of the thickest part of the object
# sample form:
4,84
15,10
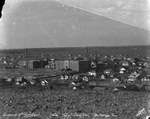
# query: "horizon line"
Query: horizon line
78,47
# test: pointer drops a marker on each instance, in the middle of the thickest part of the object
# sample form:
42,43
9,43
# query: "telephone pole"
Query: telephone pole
26,55
86,52
96,55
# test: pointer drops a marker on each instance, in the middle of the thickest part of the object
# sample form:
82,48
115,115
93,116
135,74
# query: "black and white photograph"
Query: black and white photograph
75,59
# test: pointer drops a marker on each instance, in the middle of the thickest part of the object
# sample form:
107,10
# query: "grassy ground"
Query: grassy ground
44,103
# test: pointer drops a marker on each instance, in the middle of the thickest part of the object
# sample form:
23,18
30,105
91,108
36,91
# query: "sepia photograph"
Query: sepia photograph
75,59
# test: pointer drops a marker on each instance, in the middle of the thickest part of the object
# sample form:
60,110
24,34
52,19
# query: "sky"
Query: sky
74,23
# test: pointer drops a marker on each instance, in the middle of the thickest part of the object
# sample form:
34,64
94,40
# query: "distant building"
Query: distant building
107,71
122,70
81,66
22,64
92,73
124,63
33,64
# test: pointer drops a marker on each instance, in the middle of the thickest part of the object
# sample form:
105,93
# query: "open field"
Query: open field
44,103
